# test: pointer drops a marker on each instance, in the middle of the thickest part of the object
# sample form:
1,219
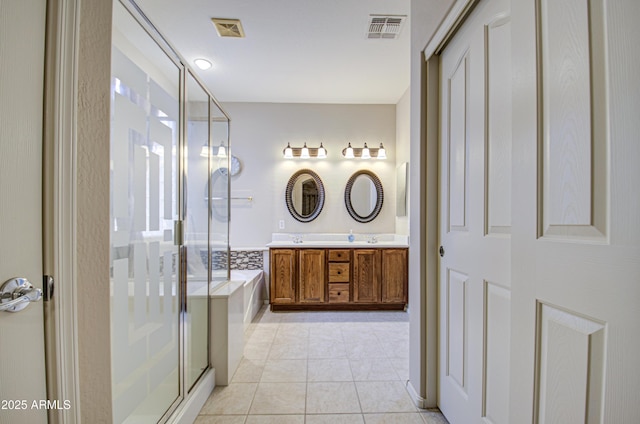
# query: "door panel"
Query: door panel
366,276
283,275
312,271
576,257
475,177
22,366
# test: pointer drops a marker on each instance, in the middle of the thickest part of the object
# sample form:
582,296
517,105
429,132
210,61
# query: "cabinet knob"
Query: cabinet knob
339,272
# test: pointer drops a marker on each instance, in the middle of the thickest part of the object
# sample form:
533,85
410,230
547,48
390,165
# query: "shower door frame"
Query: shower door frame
184,390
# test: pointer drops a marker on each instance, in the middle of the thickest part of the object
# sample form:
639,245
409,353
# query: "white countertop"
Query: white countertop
291,240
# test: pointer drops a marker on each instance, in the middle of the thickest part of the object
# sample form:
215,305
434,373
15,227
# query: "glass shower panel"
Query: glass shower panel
219,186
143,208
196,201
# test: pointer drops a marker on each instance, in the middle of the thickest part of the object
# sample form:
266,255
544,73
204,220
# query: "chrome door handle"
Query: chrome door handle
17,293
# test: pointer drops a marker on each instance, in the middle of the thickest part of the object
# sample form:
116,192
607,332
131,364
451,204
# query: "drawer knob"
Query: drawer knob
339,272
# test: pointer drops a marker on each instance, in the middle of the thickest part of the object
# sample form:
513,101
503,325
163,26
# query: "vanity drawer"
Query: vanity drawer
338,293
339,272
342,255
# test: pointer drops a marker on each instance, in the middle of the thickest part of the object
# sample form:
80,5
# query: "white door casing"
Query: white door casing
576,228
475,218
22,359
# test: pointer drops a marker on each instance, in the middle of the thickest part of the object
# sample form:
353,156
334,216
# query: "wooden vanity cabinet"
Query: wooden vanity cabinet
338,279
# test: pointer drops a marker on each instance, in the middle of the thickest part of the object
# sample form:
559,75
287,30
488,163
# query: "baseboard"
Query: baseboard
418,400
190,408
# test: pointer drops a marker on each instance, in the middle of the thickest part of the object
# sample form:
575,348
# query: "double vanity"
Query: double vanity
328,272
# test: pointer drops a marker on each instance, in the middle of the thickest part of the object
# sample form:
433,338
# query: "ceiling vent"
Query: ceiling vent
385,26
228,27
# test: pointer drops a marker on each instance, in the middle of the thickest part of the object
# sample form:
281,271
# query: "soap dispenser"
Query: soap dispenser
351,237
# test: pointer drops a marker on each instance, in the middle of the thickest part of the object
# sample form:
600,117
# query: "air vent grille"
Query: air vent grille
228,27
385,26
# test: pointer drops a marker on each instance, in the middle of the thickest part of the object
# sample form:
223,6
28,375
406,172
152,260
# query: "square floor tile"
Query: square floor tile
335,369
275,419
364,349
322,348
397,418
279,398
233,399
257,350
220,419
373,369
332,398
284,371
249,371
335,419
384,396
292,350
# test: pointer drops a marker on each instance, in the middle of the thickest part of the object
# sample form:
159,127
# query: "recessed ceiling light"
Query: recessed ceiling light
203,64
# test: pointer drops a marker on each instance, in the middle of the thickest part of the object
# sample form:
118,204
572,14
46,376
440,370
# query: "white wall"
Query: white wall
259,133
403,154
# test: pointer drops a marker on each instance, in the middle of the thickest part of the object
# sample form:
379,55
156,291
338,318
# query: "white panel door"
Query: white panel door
576,227
22,366
475,218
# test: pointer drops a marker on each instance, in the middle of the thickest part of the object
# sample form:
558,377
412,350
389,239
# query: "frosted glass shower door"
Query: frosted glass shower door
145,338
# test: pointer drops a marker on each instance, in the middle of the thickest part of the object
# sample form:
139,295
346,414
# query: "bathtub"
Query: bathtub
234,303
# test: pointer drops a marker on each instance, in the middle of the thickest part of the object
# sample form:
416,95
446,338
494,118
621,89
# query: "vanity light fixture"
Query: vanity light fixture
365,152
304,152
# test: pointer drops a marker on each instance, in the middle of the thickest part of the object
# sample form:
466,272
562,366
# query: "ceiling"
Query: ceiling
295,51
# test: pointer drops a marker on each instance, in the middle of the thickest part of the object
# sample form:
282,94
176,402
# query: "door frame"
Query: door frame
430,139
59,205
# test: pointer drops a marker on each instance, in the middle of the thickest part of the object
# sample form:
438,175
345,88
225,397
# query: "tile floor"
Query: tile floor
321,367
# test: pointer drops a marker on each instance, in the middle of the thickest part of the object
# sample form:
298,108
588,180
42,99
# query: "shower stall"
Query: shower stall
169,217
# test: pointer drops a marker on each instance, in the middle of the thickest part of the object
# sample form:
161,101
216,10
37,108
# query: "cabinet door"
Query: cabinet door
394,276
283,271
312,275
366,276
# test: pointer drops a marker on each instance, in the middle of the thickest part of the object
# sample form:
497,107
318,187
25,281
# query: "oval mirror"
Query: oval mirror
304,195
363,196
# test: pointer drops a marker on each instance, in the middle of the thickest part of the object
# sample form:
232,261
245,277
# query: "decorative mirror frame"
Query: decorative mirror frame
289,192
347,196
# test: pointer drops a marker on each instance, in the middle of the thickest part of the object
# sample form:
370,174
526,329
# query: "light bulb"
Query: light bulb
322,152
365,152
288,152
349,152
382,153
305,152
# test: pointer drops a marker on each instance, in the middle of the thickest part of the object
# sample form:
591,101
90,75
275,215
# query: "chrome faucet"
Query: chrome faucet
297,238
372,239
